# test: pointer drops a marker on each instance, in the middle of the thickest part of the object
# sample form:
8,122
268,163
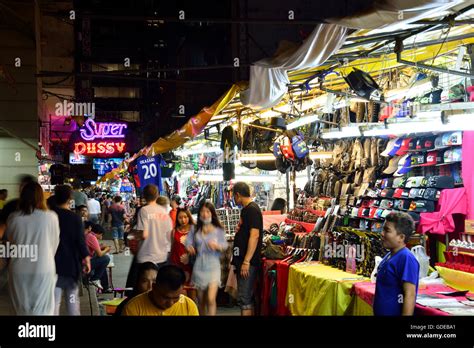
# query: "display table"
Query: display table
458,280
365,293
317,289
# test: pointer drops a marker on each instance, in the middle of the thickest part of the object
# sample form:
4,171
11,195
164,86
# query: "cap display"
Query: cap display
406,193
372,212
403,165
404,147
385,213
439,142
412,144
378,213
392,165
403,204
427,143
452,138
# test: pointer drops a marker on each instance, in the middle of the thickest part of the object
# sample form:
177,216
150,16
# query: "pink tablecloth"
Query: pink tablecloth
366,291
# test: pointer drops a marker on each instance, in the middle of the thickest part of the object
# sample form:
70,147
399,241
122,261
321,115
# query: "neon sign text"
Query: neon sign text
82,148
102,130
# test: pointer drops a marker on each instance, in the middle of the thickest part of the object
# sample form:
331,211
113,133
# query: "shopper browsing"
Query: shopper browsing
247,246
71,251
32,278
79,197
207,243
397,274
165,298
179,255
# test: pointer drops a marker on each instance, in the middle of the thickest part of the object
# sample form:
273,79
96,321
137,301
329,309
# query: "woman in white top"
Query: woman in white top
34,232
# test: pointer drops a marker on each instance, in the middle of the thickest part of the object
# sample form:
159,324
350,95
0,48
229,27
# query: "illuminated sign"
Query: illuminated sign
77,159
107,148
101,132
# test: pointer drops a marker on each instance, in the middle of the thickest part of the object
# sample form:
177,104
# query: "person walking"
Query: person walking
72,250
79,197
32,280
207,243
247,246
117,217
179,255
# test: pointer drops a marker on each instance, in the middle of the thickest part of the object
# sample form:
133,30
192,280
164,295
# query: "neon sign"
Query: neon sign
82,148
102,130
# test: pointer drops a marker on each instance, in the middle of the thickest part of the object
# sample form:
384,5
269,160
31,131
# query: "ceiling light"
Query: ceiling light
302,121
345,132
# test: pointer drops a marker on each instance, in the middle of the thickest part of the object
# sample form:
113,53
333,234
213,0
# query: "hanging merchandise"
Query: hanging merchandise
363,84
258,141
228,143
149,171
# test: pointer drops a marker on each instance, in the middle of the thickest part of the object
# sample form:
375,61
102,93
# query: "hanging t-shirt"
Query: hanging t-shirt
393,271
149,171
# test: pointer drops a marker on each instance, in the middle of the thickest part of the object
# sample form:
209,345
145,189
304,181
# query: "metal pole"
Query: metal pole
287,190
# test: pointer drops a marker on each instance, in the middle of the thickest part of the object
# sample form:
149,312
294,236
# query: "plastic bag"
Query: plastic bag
423,259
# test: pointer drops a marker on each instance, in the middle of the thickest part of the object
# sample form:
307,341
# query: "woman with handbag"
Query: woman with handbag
179,255
207,243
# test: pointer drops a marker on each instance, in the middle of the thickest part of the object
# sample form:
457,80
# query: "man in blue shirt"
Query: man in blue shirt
397,275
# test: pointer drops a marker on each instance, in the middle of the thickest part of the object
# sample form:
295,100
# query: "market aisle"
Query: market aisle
120,271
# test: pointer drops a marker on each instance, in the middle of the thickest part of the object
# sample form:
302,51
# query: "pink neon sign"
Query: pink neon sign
102,130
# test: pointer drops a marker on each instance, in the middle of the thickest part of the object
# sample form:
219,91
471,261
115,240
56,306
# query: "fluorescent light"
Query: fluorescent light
428,114
345,132
252,157
302,121
246,178
198,151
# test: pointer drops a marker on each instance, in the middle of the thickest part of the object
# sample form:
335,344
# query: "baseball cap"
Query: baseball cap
441,182
452,155
392,165
416,181
417,159
439,142
422,206
399,182
396,147
403,165
386,204
390,145
398,193
431,158
431,194
427,143
372,212
404,147
412,144
406,193
387,193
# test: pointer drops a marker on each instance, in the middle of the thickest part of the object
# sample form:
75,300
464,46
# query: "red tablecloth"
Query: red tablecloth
282,271
307,226
366,291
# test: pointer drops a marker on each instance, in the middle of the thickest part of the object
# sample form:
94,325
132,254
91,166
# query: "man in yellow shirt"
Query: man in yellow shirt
165,297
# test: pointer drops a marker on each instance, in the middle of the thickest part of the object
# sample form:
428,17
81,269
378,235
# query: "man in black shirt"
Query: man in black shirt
247,247
71,251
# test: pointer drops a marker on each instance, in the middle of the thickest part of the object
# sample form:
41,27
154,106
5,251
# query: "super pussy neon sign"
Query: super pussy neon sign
103,130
